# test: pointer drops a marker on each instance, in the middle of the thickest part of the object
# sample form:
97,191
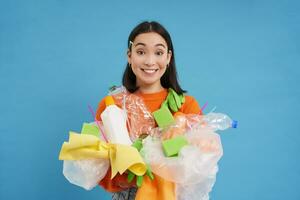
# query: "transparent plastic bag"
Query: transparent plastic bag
204,151
194,169
85,173
139,119
198,191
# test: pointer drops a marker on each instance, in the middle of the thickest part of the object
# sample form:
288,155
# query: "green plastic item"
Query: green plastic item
138,144
90,129
139,179
171,147
174,100
163,117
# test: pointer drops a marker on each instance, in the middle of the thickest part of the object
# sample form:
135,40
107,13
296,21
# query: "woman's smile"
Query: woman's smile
149,71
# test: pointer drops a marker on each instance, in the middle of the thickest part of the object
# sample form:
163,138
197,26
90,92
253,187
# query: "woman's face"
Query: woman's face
149,57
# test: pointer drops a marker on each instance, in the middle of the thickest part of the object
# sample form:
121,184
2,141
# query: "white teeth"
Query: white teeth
149,71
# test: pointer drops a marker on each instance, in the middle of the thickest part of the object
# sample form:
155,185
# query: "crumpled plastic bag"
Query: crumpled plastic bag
194,169
198,191
194,161
139,119
85,173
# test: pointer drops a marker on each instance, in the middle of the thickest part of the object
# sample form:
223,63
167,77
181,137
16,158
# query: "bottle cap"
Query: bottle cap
109,101
234,124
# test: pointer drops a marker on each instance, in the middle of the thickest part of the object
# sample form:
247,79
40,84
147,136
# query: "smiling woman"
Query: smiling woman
149,59
150,48
149,74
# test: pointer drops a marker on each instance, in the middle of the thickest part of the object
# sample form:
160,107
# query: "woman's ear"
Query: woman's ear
169,56
128,56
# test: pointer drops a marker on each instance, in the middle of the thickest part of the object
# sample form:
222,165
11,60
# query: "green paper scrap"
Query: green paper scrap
90,129
163,117
171,147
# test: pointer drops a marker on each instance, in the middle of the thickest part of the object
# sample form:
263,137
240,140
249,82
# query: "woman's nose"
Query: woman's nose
150,60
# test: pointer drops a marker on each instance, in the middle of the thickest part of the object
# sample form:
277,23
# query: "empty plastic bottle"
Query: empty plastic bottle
114,122
219,121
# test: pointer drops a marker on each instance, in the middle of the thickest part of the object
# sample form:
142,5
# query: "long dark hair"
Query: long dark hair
169,79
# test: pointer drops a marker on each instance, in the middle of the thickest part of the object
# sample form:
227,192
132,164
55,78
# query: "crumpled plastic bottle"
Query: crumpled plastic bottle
219,121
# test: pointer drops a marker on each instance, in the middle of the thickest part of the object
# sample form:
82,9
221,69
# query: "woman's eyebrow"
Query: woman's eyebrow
160,45
143,44
140,43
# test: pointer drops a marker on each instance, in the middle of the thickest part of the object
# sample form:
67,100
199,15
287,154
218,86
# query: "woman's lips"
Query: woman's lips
149,71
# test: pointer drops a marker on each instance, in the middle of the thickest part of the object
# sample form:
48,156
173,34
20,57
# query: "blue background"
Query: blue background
56,57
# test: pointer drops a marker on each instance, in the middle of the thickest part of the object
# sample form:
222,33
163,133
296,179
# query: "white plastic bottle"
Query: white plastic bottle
219,121
114,122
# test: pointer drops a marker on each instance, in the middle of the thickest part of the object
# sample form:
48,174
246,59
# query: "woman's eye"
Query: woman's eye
159,53
140,52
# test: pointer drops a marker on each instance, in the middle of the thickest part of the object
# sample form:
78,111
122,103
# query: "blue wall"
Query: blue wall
56,57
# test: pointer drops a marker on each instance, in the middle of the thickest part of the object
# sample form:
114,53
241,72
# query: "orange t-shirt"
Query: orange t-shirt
153,102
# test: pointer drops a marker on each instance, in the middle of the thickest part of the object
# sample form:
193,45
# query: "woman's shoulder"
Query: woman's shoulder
190,106
100,109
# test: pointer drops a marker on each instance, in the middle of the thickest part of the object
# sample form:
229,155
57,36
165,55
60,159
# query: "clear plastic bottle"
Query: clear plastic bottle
114,122
219,121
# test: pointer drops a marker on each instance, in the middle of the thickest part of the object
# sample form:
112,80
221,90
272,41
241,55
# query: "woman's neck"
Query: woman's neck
148,89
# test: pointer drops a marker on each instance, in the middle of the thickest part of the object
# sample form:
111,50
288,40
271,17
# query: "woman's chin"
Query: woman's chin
149,81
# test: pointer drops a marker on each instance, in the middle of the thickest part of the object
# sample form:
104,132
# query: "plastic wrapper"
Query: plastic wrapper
139,119
198,191
194,169
85,173
204,151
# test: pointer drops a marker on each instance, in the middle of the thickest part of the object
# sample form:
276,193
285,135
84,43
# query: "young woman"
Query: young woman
149,73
